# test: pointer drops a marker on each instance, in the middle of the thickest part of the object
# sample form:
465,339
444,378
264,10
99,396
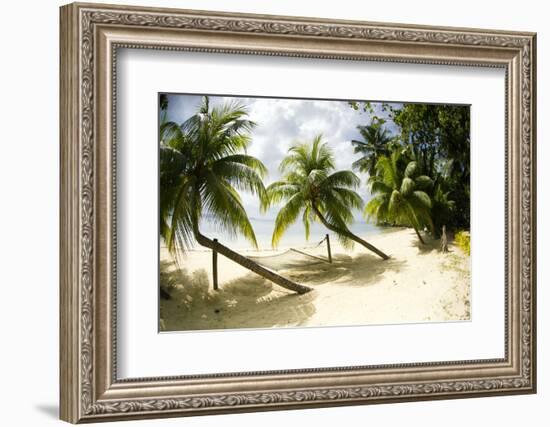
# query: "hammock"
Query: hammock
292,258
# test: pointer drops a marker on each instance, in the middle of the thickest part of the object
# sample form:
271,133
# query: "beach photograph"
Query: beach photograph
282,212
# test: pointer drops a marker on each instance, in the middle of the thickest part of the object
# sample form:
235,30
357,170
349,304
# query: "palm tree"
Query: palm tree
399,194
442,206
203,165
310,187
376,143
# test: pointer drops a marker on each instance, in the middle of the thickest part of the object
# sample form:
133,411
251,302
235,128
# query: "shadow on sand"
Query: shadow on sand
242,303
250,301
430,244
362,270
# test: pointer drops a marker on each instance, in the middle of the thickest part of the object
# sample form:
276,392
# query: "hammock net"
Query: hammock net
294,257
298,256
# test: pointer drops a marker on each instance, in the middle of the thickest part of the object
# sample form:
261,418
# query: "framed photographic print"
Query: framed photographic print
266,212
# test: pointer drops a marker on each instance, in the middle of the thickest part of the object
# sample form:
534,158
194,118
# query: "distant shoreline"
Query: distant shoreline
291,241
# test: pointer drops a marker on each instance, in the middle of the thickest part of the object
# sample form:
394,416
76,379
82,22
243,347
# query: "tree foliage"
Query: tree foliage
437,139
376,142
310,188
309,185
400,193
203,166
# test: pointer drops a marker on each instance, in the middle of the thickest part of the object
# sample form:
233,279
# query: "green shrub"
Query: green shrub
462,240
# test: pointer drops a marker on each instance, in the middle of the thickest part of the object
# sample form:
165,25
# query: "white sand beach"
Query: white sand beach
417,284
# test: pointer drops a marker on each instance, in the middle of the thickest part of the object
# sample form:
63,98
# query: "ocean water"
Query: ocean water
294,236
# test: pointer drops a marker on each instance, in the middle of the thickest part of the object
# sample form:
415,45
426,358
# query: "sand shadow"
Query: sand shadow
361,270
430,244
246,302
254,302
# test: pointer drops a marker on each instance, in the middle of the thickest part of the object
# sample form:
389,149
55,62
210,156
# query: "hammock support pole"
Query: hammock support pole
328,249
215,267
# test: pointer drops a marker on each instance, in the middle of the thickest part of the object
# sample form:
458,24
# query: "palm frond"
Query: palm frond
223,204
342,179
286,216
423,182
203,166
421,199
241,177
407,186
171,134
410,170
377,208
308,176
278,191
348,197
178,235
386,171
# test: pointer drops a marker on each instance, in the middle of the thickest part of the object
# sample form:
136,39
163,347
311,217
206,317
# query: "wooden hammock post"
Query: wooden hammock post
328,249
215,265
444,244
249,264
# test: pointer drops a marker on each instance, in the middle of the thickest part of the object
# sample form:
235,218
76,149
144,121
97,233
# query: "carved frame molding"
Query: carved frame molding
90,36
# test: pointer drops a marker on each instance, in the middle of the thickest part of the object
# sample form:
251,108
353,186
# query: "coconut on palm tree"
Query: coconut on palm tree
376,142
203,165
311,188
399,196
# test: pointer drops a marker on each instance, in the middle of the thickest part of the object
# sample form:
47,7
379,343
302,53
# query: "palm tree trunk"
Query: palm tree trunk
349,235
250,265
419,236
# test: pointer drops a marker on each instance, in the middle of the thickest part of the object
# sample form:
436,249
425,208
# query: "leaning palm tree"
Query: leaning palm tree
376,143
399,194
310,187
203,164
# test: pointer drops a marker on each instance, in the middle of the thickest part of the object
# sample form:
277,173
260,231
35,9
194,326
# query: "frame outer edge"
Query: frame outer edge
304,19
77,339
69,355
534,270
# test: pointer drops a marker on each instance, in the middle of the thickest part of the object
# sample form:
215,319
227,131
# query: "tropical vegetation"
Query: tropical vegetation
376,142
203,165
311,188
420,177
400,193
462,240
416,156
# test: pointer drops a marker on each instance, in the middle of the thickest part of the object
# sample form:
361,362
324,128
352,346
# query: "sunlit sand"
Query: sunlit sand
418,284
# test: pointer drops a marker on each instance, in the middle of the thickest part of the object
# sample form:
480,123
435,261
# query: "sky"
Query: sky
281,123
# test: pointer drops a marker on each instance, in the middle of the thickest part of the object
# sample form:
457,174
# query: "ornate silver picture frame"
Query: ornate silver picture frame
91,390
